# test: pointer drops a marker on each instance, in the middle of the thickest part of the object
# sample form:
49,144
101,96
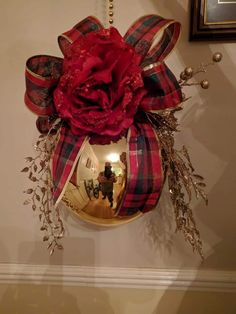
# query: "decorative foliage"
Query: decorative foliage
189,72
181,176
39,195
100,90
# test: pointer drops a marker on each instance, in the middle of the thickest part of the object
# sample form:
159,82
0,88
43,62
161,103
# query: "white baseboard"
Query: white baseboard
140,278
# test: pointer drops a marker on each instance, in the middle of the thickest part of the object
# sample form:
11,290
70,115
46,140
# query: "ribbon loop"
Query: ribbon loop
163,90
142,33
166,44
89,24
42,74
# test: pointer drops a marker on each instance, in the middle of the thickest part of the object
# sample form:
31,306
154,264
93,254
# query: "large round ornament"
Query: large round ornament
116,183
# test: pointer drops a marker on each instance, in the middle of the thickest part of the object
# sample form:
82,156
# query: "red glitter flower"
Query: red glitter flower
101,86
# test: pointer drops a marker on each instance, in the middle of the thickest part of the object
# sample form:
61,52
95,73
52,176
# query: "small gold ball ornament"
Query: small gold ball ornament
205,84
111,21
217,57
183,76
188,71
110,13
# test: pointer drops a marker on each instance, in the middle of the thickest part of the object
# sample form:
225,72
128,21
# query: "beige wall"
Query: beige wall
16,299
208,129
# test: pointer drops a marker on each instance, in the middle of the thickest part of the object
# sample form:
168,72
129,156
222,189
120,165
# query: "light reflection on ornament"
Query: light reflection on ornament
113,157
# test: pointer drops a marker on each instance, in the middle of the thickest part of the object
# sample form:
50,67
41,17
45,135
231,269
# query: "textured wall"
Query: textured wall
208,129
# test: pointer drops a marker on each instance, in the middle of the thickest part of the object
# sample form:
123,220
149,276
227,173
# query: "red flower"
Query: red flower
101,86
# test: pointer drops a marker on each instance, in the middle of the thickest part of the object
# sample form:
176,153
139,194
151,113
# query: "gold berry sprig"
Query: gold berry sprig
190,72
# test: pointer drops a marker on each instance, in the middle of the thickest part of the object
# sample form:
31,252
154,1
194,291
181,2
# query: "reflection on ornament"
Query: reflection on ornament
113,157
97,187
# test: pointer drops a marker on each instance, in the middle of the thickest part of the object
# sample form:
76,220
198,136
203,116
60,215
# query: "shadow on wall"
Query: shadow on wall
50,299
158,226
196,302
214,129
38,299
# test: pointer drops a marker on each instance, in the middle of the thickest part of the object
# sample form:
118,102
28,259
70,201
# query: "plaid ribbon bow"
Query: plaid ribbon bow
145,176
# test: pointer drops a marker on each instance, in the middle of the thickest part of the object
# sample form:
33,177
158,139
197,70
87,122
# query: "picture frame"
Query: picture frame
213,20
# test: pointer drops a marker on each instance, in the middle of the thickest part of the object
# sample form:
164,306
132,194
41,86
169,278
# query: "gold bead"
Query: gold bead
110,0
110,13
205,84
183,76
111,6
111,21
217,57
188,71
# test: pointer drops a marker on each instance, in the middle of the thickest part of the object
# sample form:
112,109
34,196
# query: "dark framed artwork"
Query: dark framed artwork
213,20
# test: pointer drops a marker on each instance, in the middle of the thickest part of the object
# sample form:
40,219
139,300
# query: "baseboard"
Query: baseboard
140,278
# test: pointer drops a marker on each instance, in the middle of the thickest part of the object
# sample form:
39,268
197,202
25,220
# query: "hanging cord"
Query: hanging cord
110,12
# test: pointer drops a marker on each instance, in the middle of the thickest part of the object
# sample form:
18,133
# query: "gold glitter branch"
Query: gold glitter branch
189,72
40,194
181,176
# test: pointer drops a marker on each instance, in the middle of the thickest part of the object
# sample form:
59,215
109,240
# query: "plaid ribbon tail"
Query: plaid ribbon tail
64,161
145,176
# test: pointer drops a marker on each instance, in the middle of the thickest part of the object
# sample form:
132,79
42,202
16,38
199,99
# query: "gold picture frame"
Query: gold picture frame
213,20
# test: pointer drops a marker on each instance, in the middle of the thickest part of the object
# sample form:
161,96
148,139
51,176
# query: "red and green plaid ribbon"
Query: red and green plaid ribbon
145,179
144,171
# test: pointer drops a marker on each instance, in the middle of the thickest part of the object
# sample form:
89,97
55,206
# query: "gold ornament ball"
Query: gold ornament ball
110,13
217,57
111,21
188,71
111,6
205,84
